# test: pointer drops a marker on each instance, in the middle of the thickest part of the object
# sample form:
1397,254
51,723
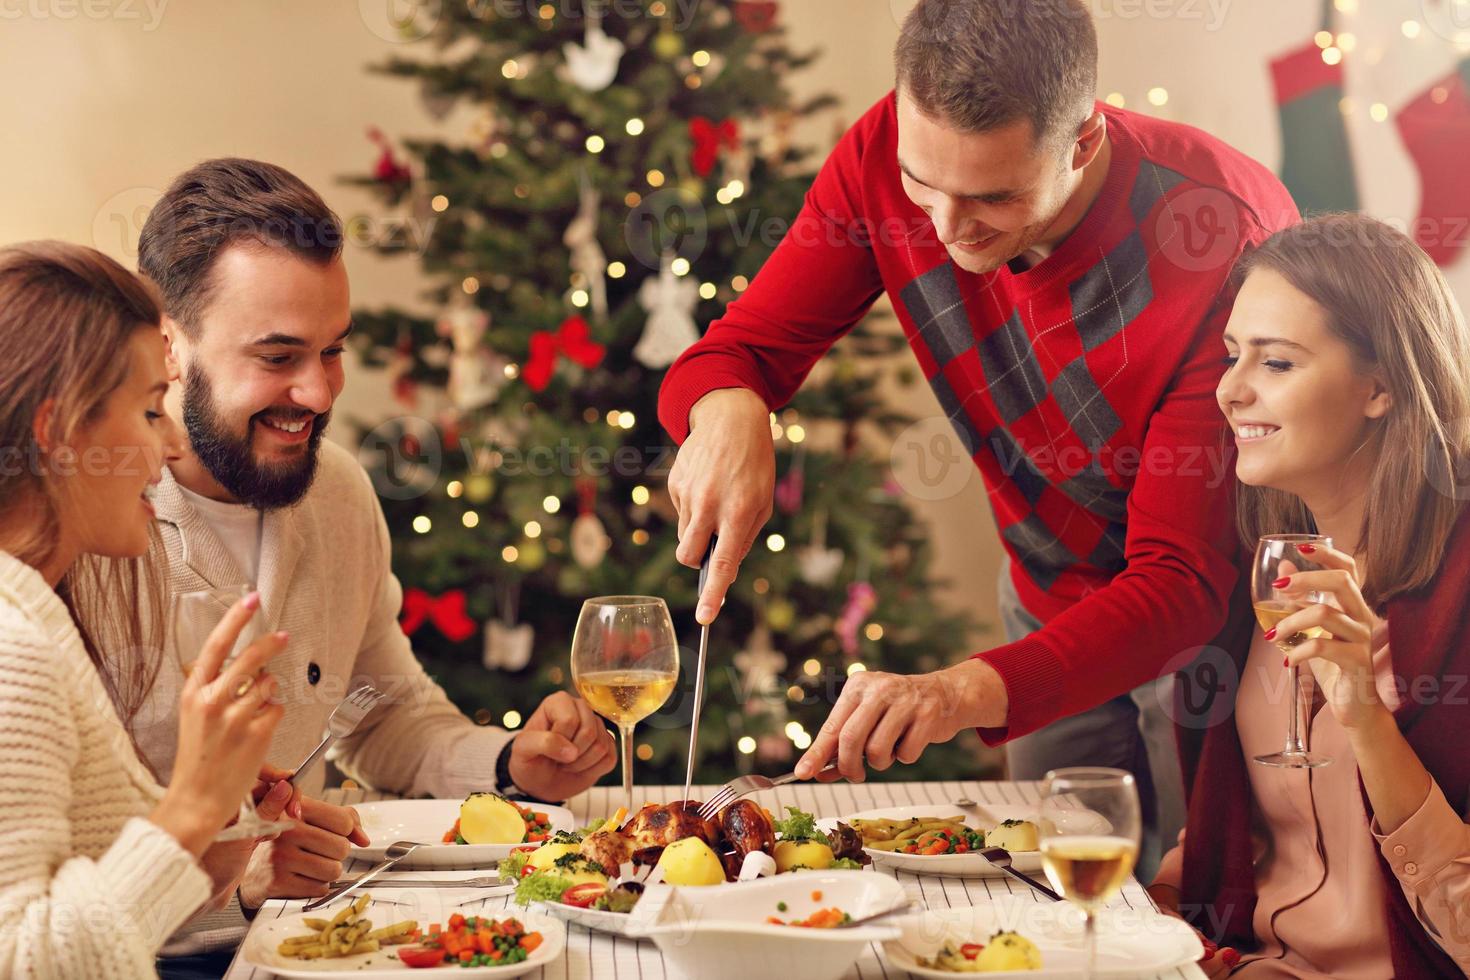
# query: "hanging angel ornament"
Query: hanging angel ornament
593,64
476,375
670,301
587,259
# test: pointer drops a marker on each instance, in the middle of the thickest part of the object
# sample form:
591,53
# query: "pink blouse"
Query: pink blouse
1320,910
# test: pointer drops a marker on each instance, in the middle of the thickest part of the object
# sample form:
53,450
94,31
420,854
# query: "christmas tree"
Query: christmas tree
630,168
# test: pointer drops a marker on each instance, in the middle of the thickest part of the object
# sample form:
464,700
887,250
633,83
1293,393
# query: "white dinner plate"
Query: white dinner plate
949,865
260,944
1130,942
426,821
612,923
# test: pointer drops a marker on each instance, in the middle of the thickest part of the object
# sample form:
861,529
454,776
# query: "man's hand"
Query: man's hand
564,748
305,860
884,717
723,482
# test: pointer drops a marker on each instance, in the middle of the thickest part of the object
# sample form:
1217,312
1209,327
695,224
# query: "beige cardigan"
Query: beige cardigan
326,578
89,888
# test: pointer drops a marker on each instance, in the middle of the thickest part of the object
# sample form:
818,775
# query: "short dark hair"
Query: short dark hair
978,65
224,202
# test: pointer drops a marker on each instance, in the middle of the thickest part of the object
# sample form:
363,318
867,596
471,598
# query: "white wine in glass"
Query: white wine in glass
1090,824
625,663
192,617
1278,556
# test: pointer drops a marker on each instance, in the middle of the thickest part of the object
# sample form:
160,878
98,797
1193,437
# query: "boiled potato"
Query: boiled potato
1014,835
691,862
547,855
485,818
802,854
1008,951
583,873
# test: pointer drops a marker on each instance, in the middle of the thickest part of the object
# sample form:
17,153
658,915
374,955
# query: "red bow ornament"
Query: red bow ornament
573,339
757,16
710,138
447,613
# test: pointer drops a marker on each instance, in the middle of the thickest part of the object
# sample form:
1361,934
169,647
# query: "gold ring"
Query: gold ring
243,688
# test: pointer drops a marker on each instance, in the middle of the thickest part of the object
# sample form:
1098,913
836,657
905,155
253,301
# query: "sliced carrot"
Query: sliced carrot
816,896
530,941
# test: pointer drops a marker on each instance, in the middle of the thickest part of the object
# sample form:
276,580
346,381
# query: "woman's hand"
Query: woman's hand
1342,662
226,720
1218,961
225,861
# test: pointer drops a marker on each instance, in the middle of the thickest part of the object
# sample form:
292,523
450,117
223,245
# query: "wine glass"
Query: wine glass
625,663
193,616
1279,555
1089,824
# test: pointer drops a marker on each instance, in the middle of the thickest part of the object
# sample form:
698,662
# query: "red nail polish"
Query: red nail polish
1286,661
1307,549
1282,582
1270,634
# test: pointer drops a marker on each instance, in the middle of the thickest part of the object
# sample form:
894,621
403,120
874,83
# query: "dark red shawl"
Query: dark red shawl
1429,634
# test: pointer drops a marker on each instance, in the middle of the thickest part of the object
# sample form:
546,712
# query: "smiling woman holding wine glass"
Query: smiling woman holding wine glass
1347,389
98,863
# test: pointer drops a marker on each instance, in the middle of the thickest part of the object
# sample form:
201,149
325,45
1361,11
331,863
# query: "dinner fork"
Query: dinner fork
1001,858
396,852
343,722
744,786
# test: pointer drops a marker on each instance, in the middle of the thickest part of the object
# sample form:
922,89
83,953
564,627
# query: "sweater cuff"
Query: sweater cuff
1433,837
681,393
152,880
1033,679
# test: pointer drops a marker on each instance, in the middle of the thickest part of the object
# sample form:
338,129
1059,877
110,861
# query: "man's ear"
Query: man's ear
1090,137
172,340
41,425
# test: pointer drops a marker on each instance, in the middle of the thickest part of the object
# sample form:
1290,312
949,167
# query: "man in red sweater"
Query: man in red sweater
1062,271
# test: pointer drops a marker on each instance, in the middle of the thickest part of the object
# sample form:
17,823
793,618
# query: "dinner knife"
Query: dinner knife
698,672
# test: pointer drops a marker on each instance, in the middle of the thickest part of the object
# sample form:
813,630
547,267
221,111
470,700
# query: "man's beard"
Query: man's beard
230,459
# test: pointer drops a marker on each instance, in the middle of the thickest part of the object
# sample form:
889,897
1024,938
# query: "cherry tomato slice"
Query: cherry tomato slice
420,956
582,896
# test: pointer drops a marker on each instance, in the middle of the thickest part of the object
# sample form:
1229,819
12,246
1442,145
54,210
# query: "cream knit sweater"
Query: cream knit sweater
89,888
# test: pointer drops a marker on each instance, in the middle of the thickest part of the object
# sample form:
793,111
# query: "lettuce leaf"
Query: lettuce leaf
800,825
543,886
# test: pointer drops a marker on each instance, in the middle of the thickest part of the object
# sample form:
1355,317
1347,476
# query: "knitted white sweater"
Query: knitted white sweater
89,888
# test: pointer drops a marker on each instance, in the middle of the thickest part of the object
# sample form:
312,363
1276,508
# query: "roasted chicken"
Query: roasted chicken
643,838
608,848
747,828
660,825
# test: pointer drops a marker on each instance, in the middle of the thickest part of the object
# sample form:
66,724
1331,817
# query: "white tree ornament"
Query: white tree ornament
588,259
593,64
670,301
476,375
508,646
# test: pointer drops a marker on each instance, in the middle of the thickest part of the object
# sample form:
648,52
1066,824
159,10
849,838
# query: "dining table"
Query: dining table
599,956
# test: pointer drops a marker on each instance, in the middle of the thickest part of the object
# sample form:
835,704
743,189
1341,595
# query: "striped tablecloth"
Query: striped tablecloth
595,956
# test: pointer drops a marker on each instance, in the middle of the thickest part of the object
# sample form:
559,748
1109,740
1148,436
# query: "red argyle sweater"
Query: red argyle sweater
1083,388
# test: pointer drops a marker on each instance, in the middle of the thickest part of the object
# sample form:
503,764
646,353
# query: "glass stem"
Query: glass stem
627,740
1090,941
1294,720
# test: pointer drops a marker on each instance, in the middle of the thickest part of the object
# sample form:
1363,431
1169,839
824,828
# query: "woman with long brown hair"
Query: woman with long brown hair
1348,392
98,863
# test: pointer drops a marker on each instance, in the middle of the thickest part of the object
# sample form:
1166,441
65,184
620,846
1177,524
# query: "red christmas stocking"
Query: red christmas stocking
1436,131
